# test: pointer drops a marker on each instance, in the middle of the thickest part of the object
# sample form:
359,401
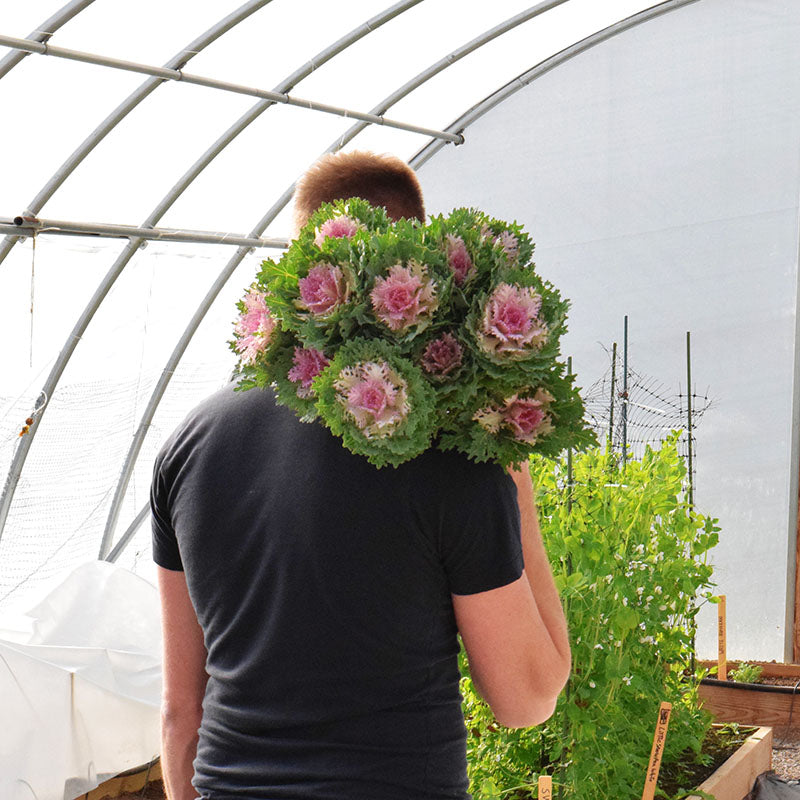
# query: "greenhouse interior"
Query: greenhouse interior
652,154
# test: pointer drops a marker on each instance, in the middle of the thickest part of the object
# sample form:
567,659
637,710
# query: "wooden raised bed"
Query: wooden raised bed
731,781
754,703
133,780
735,778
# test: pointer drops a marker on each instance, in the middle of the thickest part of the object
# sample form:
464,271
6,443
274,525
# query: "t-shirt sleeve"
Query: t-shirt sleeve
165,542
480,535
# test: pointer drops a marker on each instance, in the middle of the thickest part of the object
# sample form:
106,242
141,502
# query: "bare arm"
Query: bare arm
537,567
516,635
184,684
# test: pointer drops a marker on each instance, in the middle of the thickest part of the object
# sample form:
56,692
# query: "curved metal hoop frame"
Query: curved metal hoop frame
44,32
277,207
458,126
148,86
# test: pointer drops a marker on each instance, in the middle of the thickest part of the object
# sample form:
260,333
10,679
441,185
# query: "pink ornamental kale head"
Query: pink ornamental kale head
526,417
337,228
509,243
510,324
442,356
458,259
324,289
406,297
374,396
507,240
308,363
254,327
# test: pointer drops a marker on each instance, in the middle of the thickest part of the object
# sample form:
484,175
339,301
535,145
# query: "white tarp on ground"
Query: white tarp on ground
658,173
80,680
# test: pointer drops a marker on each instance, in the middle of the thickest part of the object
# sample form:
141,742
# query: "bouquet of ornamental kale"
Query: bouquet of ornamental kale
400,336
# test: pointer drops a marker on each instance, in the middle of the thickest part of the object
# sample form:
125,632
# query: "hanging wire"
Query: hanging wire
33,272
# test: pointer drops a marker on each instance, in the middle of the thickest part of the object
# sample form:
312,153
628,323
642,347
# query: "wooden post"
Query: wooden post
657,751
545,788
722,635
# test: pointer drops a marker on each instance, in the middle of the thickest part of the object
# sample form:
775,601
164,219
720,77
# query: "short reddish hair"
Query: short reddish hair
381,180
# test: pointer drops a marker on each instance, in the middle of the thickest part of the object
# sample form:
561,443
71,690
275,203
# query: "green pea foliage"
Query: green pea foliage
629,557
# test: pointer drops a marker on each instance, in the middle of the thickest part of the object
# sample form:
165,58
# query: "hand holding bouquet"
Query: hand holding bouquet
400,336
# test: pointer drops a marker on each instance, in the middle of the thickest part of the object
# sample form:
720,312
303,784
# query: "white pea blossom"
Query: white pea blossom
593,684
627,679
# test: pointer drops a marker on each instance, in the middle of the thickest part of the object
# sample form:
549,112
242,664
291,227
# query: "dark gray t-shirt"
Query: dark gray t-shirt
322,585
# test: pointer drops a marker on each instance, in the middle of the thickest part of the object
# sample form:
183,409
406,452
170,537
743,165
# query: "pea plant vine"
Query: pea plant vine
630,560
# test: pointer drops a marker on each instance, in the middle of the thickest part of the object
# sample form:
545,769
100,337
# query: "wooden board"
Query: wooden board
130,781
735,778
772,669
749,706
722,639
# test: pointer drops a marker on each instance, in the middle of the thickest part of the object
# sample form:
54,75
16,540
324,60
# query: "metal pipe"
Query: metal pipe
281,203
183,56
130,532
301,72
44,32
625,395
570,483
31,226
613,390
542,68
166,73
689,411
793,539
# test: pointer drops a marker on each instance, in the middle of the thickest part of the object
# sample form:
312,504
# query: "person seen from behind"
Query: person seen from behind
311,602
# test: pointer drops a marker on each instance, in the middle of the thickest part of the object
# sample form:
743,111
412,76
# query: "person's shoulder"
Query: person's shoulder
452,472
226,406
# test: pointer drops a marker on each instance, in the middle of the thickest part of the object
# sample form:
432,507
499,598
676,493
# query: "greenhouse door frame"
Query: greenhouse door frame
796,625
792,641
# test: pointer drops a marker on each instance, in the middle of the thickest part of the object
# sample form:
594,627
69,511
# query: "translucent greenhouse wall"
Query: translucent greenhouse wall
658,173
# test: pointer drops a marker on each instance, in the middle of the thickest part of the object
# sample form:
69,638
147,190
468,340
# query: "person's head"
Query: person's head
381,180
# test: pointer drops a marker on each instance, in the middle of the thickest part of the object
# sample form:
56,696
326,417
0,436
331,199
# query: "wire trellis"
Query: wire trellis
630,419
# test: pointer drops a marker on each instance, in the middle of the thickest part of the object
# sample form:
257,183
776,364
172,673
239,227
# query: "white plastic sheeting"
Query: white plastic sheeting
659,174
80,682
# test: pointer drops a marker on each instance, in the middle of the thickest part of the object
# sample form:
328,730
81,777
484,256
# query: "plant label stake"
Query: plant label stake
657,751
545,788
722,661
